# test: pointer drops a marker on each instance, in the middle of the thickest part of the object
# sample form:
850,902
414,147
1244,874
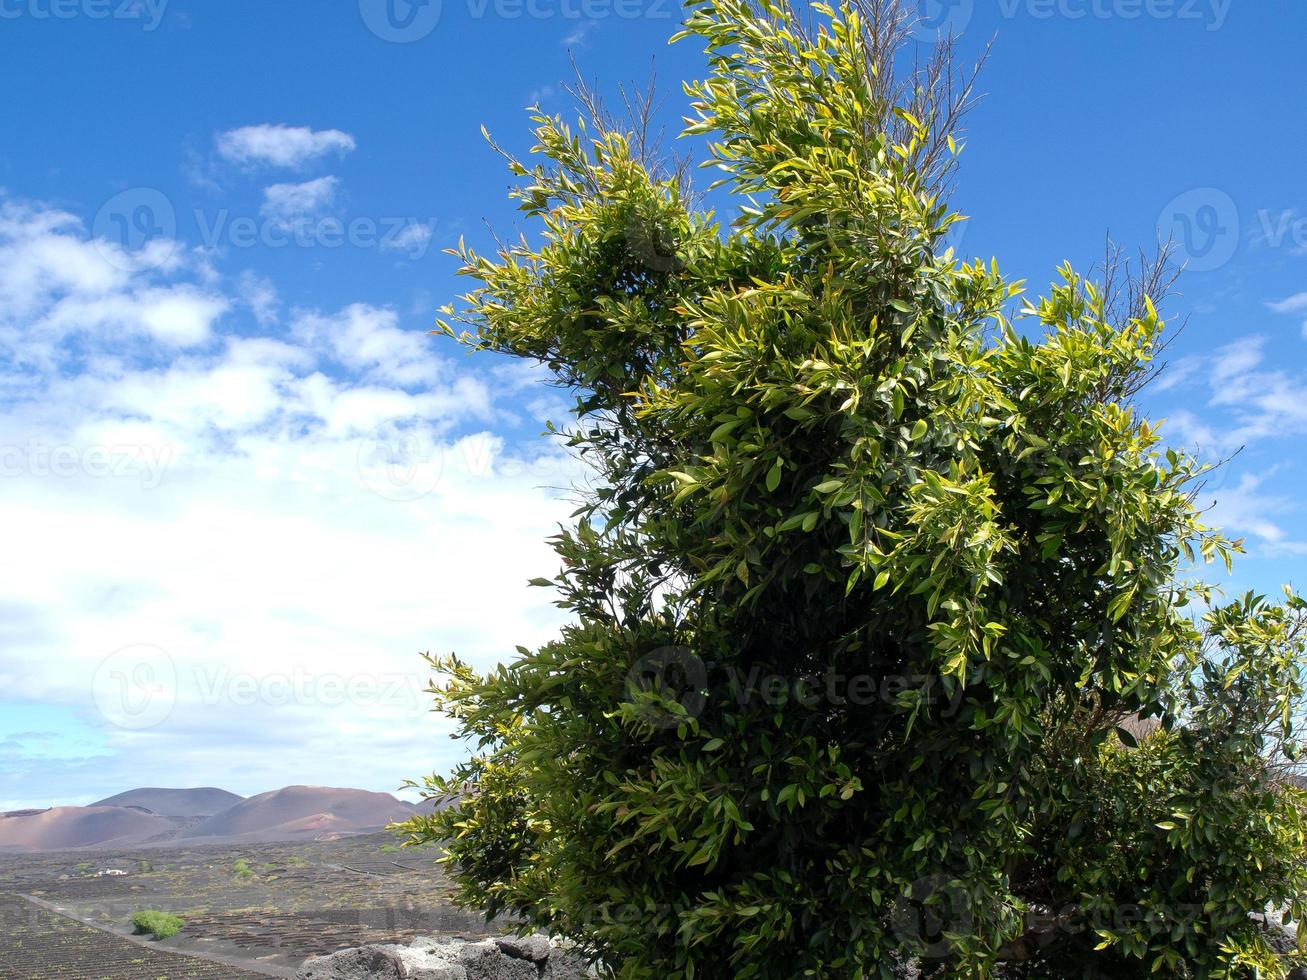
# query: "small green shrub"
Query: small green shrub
242,870
160,925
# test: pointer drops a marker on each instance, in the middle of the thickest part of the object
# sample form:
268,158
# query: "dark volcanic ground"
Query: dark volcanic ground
250,910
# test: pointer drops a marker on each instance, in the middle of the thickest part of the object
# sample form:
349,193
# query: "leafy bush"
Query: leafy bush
160,925
241,869
870,588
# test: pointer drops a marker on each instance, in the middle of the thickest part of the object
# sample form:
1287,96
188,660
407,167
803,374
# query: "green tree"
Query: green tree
869,584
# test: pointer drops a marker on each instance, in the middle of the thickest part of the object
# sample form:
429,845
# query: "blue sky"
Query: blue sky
241,487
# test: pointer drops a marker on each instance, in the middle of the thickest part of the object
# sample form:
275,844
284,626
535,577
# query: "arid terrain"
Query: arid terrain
183,817
251,909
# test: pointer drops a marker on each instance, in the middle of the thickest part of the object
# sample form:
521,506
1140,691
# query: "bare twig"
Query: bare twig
638,120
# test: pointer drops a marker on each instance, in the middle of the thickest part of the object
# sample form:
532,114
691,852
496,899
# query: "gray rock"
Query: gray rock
364,963
565,965
427,964
511,958
1283,938
533,948
486,961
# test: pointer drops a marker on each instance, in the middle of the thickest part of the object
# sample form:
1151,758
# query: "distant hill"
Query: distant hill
73,827
299,812
185,817
203,802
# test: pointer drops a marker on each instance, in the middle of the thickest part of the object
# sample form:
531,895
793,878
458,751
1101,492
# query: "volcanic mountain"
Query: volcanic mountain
185,817
72,827
300,812
203,802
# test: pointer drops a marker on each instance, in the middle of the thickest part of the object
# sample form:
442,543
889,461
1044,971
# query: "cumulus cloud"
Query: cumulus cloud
368,342
1248,509
229,536
413,238
287,147
59,289
1247,400
287,203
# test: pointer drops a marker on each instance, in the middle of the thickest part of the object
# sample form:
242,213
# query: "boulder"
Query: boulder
426,958
364,963
1283,938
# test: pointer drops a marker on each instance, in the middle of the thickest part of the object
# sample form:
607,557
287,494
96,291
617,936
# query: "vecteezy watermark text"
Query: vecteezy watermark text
1206,228
938,19
411,236
149,13
1210,13
406,21
37,459
138,687
670,684
139,228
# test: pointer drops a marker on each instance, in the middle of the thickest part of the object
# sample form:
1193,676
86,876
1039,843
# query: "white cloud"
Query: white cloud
179,315
1242,509
277,509
1247,510
290,147
579,35
538,95
1254,402
58,286
287,203
369,343
1296,303
260,296
413,238
1292,304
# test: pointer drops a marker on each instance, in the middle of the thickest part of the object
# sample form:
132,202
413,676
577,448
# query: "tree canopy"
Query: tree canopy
879,570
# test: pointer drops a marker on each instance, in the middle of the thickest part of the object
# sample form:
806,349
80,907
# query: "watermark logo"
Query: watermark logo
142,225
651,247
400,21
929,913
1204,226
937,20
399,461
667,686
954,239
135,687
